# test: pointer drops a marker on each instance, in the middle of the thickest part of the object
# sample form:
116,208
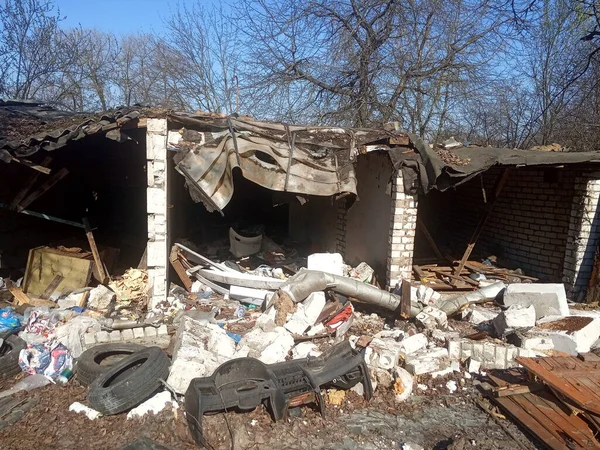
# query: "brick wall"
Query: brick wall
156,250
584,231
535,224
401,238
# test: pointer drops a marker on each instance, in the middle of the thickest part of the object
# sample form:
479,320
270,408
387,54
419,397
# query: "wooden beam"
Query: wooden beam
52,287
32,165
32,179
405,300
421,227
500,182
99,264
179,269
419,271
43,188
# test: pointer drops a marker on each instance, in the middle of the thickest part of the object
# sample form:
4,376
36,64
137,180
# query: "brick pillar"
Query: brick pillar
340,236
156,209
403,227
584,231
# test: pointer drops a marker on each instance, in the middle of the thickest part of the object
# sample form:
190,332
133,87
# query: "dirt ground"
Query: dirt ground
433,418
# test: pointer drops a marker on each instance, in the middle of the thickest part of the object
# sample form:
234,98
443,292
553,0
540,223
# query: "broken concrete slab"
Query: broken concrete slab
572,335
548,299
306,313
304,349
154,405
413,343
101,298
268,346
514,318
199,349
427,360
478,314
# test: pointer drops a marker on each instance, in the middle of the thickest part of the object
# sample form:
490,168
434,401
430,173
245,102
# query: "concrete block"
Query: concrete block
326,262
548,299
138,333
453,347
573,334
89,339
150,332
162,330
383,353
413,343
514,318
478,314
431,317
473,365
115,336
127,335
102,337
427,360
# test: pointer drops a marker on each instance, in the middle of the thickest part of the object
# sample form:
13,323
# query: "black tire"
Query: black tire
90,364
9,356
129,382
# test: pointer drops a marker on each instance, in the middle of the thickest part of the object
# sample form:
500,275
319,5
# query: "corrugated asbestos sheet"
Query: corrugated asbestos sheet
21,122
280,157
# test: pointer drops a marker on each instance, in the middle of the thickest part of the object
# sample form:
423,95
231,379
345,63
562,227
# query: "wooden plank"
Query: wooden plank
515,389
519,414
50,182
405,300
421,227
20,297
179,269
32,165
419,272
500,182
84,299
570,389
95,253
52,286
45,263
27,187
456,277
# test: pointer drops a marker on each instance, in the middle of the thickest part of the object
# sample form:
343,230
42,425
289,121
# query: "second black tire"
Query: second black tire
129,382
9,356
92,362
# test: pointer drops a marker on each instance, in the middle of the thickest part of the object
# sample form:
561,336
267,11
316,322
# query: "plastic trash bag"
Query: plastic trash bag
9,320
52,360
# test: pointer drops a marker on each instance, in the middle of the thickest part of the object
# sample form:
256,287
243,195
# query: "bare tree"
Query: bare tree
28,51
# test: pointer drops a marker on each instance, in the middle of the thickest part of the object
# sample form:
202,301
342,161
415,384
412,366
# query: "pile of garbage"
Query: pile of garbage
286,335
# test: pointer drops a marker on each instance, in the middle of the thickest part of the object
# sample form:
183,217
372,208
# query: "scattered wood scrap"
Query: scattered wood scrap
442,276
560,407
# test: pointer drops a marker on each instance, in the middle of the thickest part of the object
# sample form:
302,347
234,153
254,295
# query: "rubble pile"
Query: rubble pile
276,332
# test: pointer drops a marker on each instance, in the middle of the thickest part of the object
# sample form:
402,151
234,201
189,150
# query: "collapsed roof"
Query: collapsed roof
443,170
288,158
280,157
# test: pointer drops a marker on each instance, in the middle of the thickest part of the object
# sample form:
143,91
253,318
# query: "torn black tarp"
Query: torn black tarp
432,172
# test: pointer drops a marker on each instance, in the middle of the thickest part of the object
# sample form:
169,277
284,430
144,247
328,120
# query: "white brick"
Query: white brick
115,336
127,335
102,337
158,126
156,201
162,330
138,333
150,332
89,339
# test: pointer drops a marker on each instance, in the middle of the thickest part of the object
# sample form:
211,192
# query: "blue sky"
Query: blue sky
119,16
